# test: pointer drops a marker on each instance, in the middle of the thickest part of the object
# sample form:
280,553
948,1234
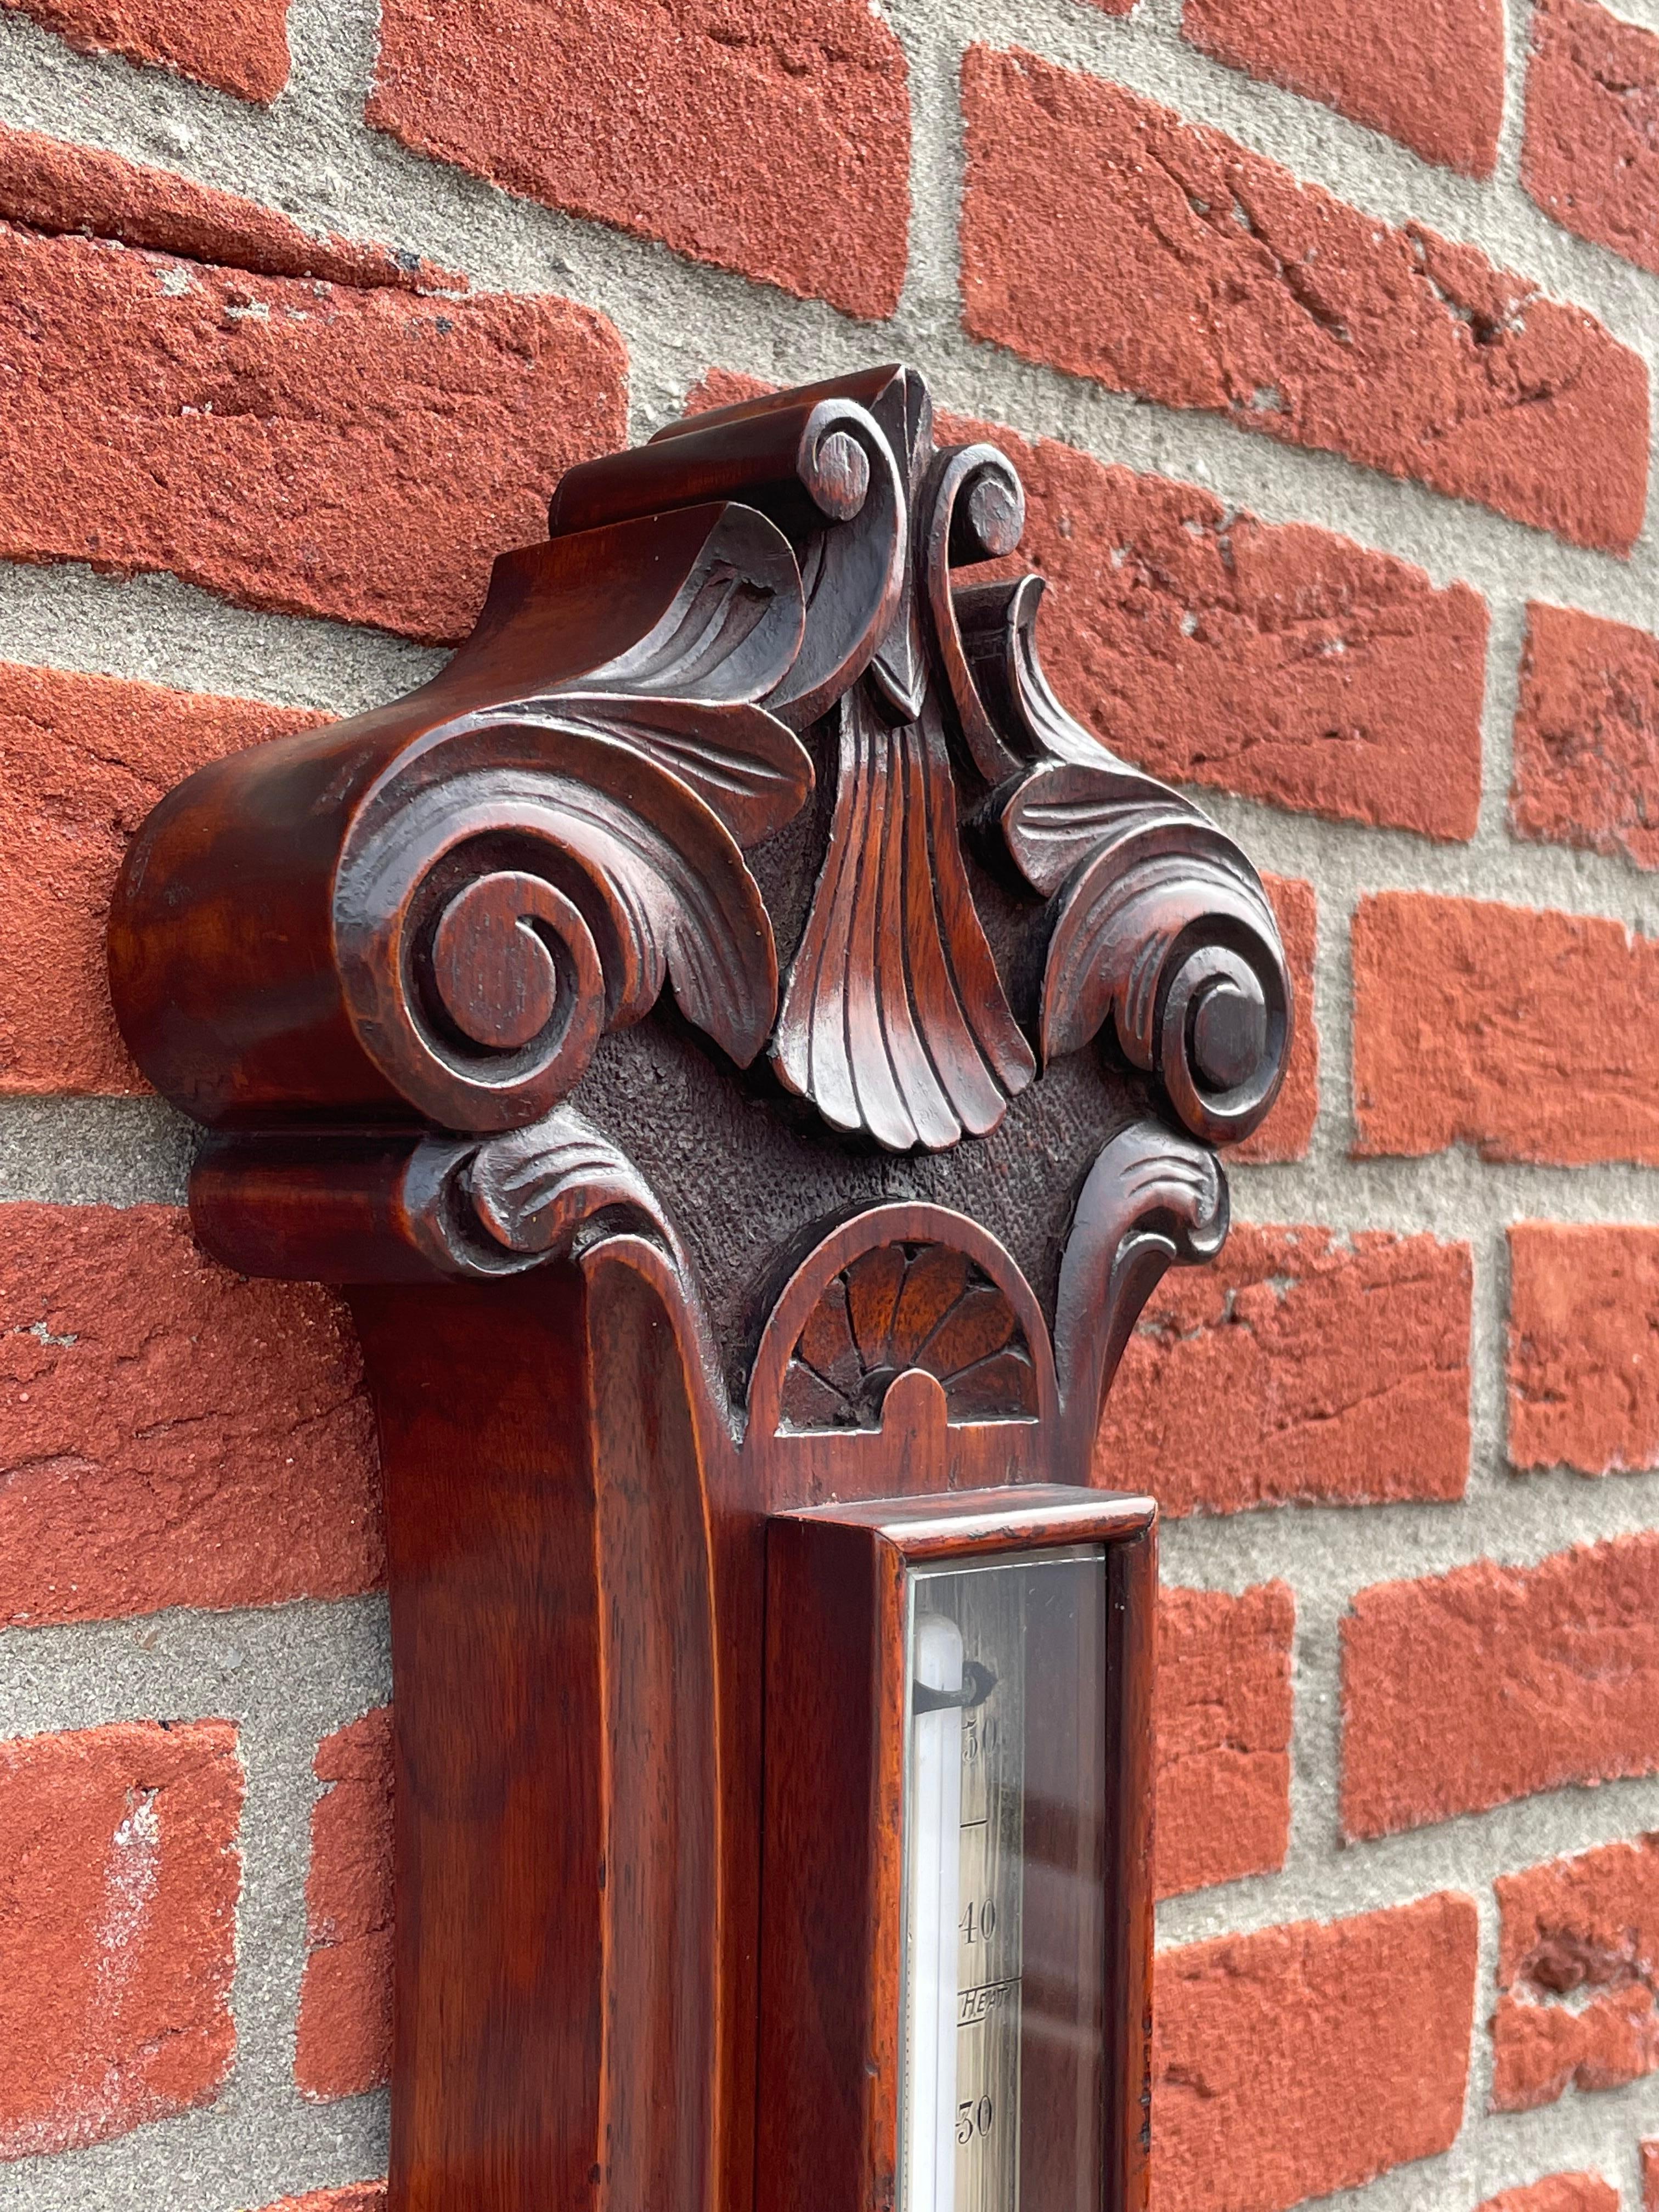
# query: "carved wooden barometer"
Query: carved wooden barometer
749,1053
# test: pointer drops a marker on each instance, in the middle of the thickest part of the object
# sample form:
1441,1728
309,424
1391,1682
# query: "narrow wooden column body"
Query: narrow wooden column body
744,1047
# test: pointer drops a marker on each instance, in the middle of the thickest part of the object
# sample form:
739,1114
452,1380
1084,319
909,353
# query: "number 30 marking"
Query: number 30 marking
974,2119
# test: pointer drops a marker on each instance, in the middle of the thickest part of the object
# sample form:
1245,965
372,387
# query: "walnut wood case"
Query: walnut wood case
743,1045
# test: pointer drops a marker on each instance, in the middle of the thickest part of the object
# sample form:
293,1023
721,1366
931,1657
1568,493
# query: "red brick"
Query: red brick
344,2040
1650,2177
238,45
119,1872
357,2197
1467,1689
1583,1361
174,1434
1341,1364
84,759
53,186
1557,2192
1529,1035
1309,2058
776,145
1276,660
1103,236
1587,736
356,453
1288,1130
1428,72
1223,1735
1590,153
1578,1968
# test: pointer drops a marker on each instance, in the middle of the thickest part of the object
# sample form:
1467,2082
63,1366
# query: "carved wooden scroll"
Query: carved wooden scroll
744,1046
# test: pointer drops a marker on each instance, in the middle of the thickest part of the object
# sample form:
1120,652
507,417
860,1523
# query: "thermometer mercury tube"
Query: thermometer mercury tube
933,1854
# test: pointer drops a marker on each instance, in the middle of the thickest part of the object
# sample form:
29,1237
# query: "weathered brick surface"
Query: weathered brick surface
1276,660
1586,767
1650,2177
1429,72
1590,155
238,45
774,144
352,452
357,2197
1577,1969
173,1434
1557,2192
55,187
344,2041
1288,1130
1341,1364
1103,236
1466,1690
1529,1035
83,759
119,1872
1309,2058
1224,1734
1584,1346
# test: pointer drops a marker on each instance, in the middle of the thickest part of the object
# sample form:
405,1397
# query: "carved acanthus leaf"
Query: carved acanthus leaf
744,766
400,1207
1153,1198
532,1195
818,463
1155,917
685,694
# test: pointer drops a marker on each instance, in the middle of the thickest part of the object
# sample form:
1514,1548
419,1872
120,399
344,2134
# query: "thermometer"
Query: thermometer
946,1926
964,1890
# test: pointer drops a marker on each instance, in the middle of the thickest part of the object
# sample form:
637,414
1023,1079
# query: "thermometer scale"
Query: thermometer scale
966,1871
952,1941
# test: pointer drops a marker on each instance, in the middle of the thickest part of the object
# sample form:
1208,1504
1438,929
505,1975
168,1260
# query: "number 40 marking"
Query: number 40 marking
979,1923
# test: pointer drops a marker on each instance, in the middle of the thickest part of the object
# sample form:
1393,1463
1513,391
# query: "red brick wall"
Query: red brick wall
1322,331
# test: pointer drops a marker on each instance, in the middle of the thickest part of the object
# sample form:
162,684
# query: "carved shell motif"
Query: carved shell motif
461,893
895,1021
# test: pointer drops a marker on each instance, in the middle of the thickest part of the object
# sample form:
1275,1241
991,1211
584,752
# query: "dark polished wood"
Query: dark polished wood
745,1048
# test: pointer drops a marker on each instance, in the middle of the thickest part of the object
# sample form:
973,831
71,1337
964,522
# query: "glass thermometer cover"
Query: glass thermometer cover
956,1888
1000,2026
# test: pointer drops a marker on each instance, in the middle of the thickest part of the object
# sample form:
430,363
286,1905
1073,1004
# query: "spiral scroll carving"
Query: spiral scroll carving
567,881
974,504
1155,921
533,875
810,459
456,898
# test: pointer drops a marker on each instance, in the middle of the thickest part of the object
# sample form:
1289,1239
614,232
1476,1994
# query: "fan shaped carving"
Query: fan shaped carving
902,1306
